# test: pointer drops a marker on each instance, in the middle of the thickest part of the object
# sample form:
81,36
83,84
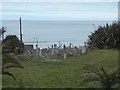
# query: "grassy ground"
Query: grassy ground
63,74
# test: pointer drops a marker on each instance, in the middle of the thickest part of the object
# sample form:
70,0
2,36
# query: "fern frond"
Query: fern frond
8,73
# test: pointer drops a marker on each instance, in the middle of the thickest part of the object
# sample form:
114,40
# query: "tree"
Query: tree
11,48
106,80
9,61
13,44
107,36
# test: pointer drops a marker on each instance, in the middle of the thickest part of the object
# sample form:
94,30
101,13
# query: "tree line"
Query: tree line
107,36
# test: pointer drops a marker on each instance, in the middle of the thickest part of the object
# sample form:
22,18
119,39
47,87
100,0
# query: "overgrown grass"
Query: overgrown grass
61,74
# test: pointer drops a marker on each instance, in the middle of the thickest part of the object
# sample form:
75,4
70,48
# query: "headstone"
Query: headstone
52,51
65,55
84,49
40,53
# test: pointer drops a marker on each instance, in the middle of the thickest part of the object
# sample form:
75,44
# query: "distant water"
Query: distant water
51,32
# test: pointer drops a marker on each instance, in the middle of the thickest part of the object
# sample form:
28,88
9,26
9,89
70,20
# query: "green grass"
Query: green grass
63,74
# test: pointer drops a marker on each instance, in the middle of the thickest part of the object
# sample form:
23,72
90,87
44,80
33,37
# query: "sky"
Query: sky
60,0
57,20
60,10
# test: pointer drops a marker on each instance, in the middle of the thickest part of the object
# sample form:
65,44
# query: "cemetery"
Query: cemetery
24,66
53,52
61,66
59,74
93,65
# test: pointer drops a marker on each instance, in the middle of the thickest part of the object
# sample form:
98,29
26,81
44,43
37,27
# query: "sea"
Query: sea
46,33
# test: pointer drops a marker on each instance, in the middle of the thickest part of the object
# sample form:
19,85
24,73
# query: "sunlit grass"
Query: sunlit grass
61,74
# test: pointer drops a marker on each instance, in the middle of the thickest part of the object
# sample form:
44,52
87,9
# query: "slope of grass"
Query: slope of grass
62,74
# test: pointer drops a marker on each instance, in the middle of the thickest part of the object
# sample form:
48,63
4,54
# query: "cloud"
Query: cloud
61,11
16,10
69,15
60,1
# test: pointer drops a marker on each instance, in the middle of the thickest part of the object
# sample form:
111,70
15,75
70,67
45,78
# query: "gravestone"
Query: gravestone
84,49
65,55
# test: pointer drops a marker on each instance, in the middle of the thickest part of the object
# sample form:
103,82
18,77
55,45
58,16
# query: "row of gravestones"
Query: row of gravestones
78,52
39,53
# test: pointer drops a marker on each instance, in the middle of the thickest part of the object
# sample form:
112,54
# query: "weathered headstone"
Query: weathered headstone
65,55
84,49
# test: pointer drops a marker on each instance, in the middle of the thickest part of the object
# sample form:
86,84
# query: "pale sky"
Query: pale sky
60,0
60,9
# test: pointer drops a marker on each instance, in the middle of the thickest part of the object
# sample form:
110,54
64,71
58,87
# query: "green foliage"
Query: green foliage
9,62
106,80
11,47
107,36
13,44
